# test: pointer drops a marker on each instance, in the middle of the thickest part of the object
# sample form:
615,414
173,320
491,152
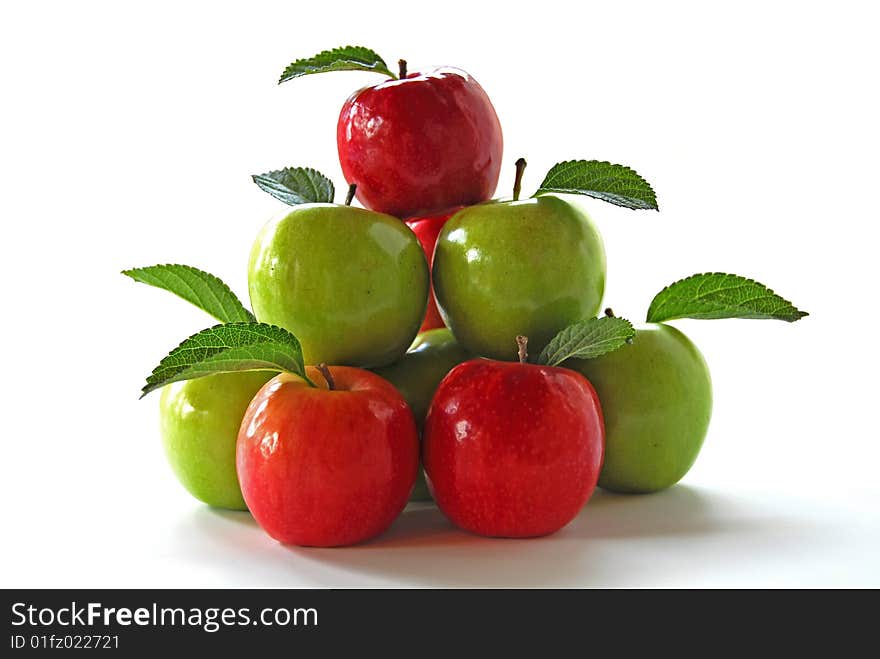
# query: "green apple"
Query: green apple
656,397
418,373
199,423
351,284
530,267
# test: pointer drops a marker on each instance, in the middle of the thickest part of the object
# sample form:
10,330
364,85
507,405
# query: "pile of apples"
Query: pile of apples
434,330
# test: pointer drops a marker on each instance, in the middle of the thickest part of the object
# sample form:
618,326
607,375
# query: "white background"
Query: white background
128,135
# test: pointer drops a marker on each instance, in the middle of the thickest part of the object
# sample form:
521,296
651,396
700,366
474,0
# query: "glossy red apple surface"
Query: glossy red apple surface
327,467
513,450
421,144
427,229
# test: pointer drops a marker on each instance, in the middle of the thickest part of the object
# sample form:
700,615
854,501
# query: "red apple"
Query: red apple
427,229
513,450
420,144
328,465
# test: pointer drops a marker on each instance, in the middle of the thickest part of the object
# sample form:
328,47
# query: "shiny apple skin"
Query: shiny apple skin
427,229
530,267
422,144
657,399
350,284
418,374
513,450
199,422
327,468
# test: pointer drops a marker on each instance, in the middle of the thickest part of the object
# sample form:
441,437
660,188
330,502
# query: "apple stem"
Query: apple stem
325,371
517,181
350,196
401,63
522,343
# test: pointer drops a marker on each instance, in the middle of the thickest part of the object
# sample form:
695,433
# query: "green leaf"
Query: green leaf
297,185
200,288
230,348
587,339
346,58
616,184
718,295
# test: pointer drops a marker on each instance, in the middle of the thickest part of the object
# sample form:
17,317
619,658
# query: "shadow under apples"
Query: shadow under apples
608,542
242,517
426,549
680,510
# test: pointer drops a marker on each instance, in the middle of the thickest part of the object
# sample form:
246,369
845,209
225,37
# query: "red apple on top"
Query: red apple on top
422,143
417,143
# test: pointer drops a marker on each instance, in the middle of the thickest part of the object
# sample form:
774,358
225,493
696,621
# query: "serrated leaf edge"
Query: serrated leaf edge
553,360
152,385
603,196
130,272
267,176
380,67
651,317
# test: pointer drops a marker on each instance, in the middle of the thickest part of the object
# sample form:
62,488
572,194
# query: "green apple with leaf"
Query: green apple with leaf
529,266
199,419
351,284
656,393
417,375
